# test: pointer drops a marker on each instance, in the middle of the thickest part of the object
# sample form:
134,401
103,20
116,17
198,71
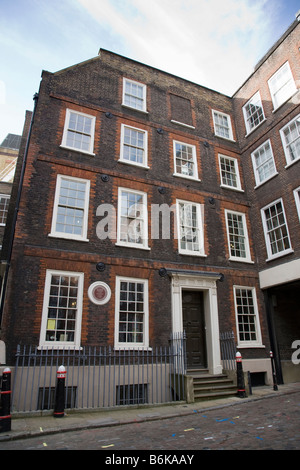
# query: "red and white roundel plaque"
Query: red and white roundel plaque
99,293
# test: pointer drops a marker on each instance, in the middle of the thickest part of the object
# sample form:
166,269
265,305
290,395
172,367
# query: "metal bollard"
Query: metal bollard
273,372
241,392
59,408
5,416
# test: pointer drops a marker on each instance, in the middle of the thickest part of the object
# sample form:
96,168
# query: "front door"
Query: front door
194,327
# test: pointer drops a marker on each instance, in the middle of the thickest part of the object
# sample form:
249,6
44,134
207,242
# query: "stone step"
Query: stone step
225,383
207,386
215,395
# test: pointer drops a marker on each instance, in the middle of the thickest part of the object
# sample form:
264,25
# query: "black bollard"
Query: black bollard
59,409
273,372
5,416
241,392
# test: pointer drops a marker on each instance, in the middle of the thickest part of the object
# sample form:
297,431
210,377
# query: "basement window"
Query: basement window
46,398
133,394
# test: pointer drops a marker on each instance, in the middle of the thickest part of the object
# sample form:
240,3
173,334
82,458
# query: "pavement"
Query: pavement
33,424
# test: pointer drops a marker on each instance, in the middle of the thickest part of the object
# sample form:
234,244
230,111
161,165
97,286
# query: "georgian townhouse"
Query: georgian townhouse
145,212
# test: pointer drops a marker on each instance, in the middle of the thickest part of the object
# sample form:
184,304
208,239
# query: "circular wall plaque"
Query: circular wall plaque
99,293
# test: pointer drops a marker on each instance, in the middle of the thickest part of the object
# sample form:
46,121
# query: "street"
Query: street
266,424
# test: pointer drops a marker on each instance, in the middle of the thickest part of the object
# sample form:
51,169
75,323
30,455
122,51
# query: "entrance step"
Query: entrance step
207,386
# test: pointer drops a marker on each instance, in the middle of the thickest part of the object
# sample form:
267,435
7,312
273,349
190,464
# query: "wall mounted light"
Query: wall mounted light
100,266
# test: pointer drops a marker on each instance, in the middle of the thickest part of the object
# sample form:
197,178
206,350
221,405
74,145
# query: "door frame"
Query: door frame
201,328
207,283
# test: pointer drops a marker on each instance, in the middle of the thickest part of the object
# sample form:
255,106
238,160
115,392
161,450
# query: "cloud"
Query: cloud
211,42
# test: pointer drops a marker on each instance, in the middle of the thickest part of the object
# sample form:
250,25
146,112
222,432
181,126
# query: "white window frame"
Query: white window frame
144,147
228,127
236,173
144,217
77,334
5,208
286,145
297,200
280,253
90,151
288,84
199,228
70,236
269,162
248,343
254,101
143,99
194,176
244,235
132,345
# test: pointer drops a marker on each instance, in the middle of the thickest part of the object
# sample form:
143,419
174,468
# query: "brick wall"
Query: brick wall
287,177
95,88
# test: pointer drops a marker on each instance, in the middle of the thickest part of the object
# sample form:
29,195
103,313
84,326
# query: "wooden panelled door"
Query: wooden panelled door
194,326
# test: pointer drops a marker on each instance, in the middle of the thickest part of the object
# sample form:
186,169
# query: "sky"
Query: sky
214,43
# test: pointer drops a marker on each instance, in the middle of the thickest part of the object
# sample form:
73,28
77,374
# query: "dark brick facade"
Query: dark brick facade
95,88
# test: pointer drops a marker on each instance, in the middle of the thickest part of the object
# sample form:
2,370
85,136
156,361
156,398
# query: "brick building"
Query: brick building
9,150
267,115
140,217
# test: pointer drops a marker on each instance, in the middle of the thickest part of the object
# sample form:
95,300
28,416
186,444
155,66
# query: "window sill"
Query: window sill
288,99
139,165
192,253
254,129
228,139
266,180
135,109
232,188
131,346
65,237
250,345
241,260
182,124
77,150
127,245
279,255
193,178
292,163
60,346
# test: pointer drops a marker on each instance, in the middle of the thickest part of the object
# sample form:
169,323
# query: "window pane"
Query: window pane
228,172
79,132
292,140
70,210
184,159
264,163
4,203
276,228
132,218
134,95
254,114
237,237
132,312
189,227
282,85
134,145
246,317
61,321
222,126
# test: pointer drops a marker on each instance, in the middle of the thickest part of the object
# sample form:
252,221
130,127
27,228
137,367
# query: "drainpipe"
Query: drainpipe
16,210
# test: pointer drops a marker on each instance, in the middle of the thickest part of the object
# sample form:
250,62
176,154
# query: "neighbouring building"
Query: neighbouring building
267,116
9,150
152,205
